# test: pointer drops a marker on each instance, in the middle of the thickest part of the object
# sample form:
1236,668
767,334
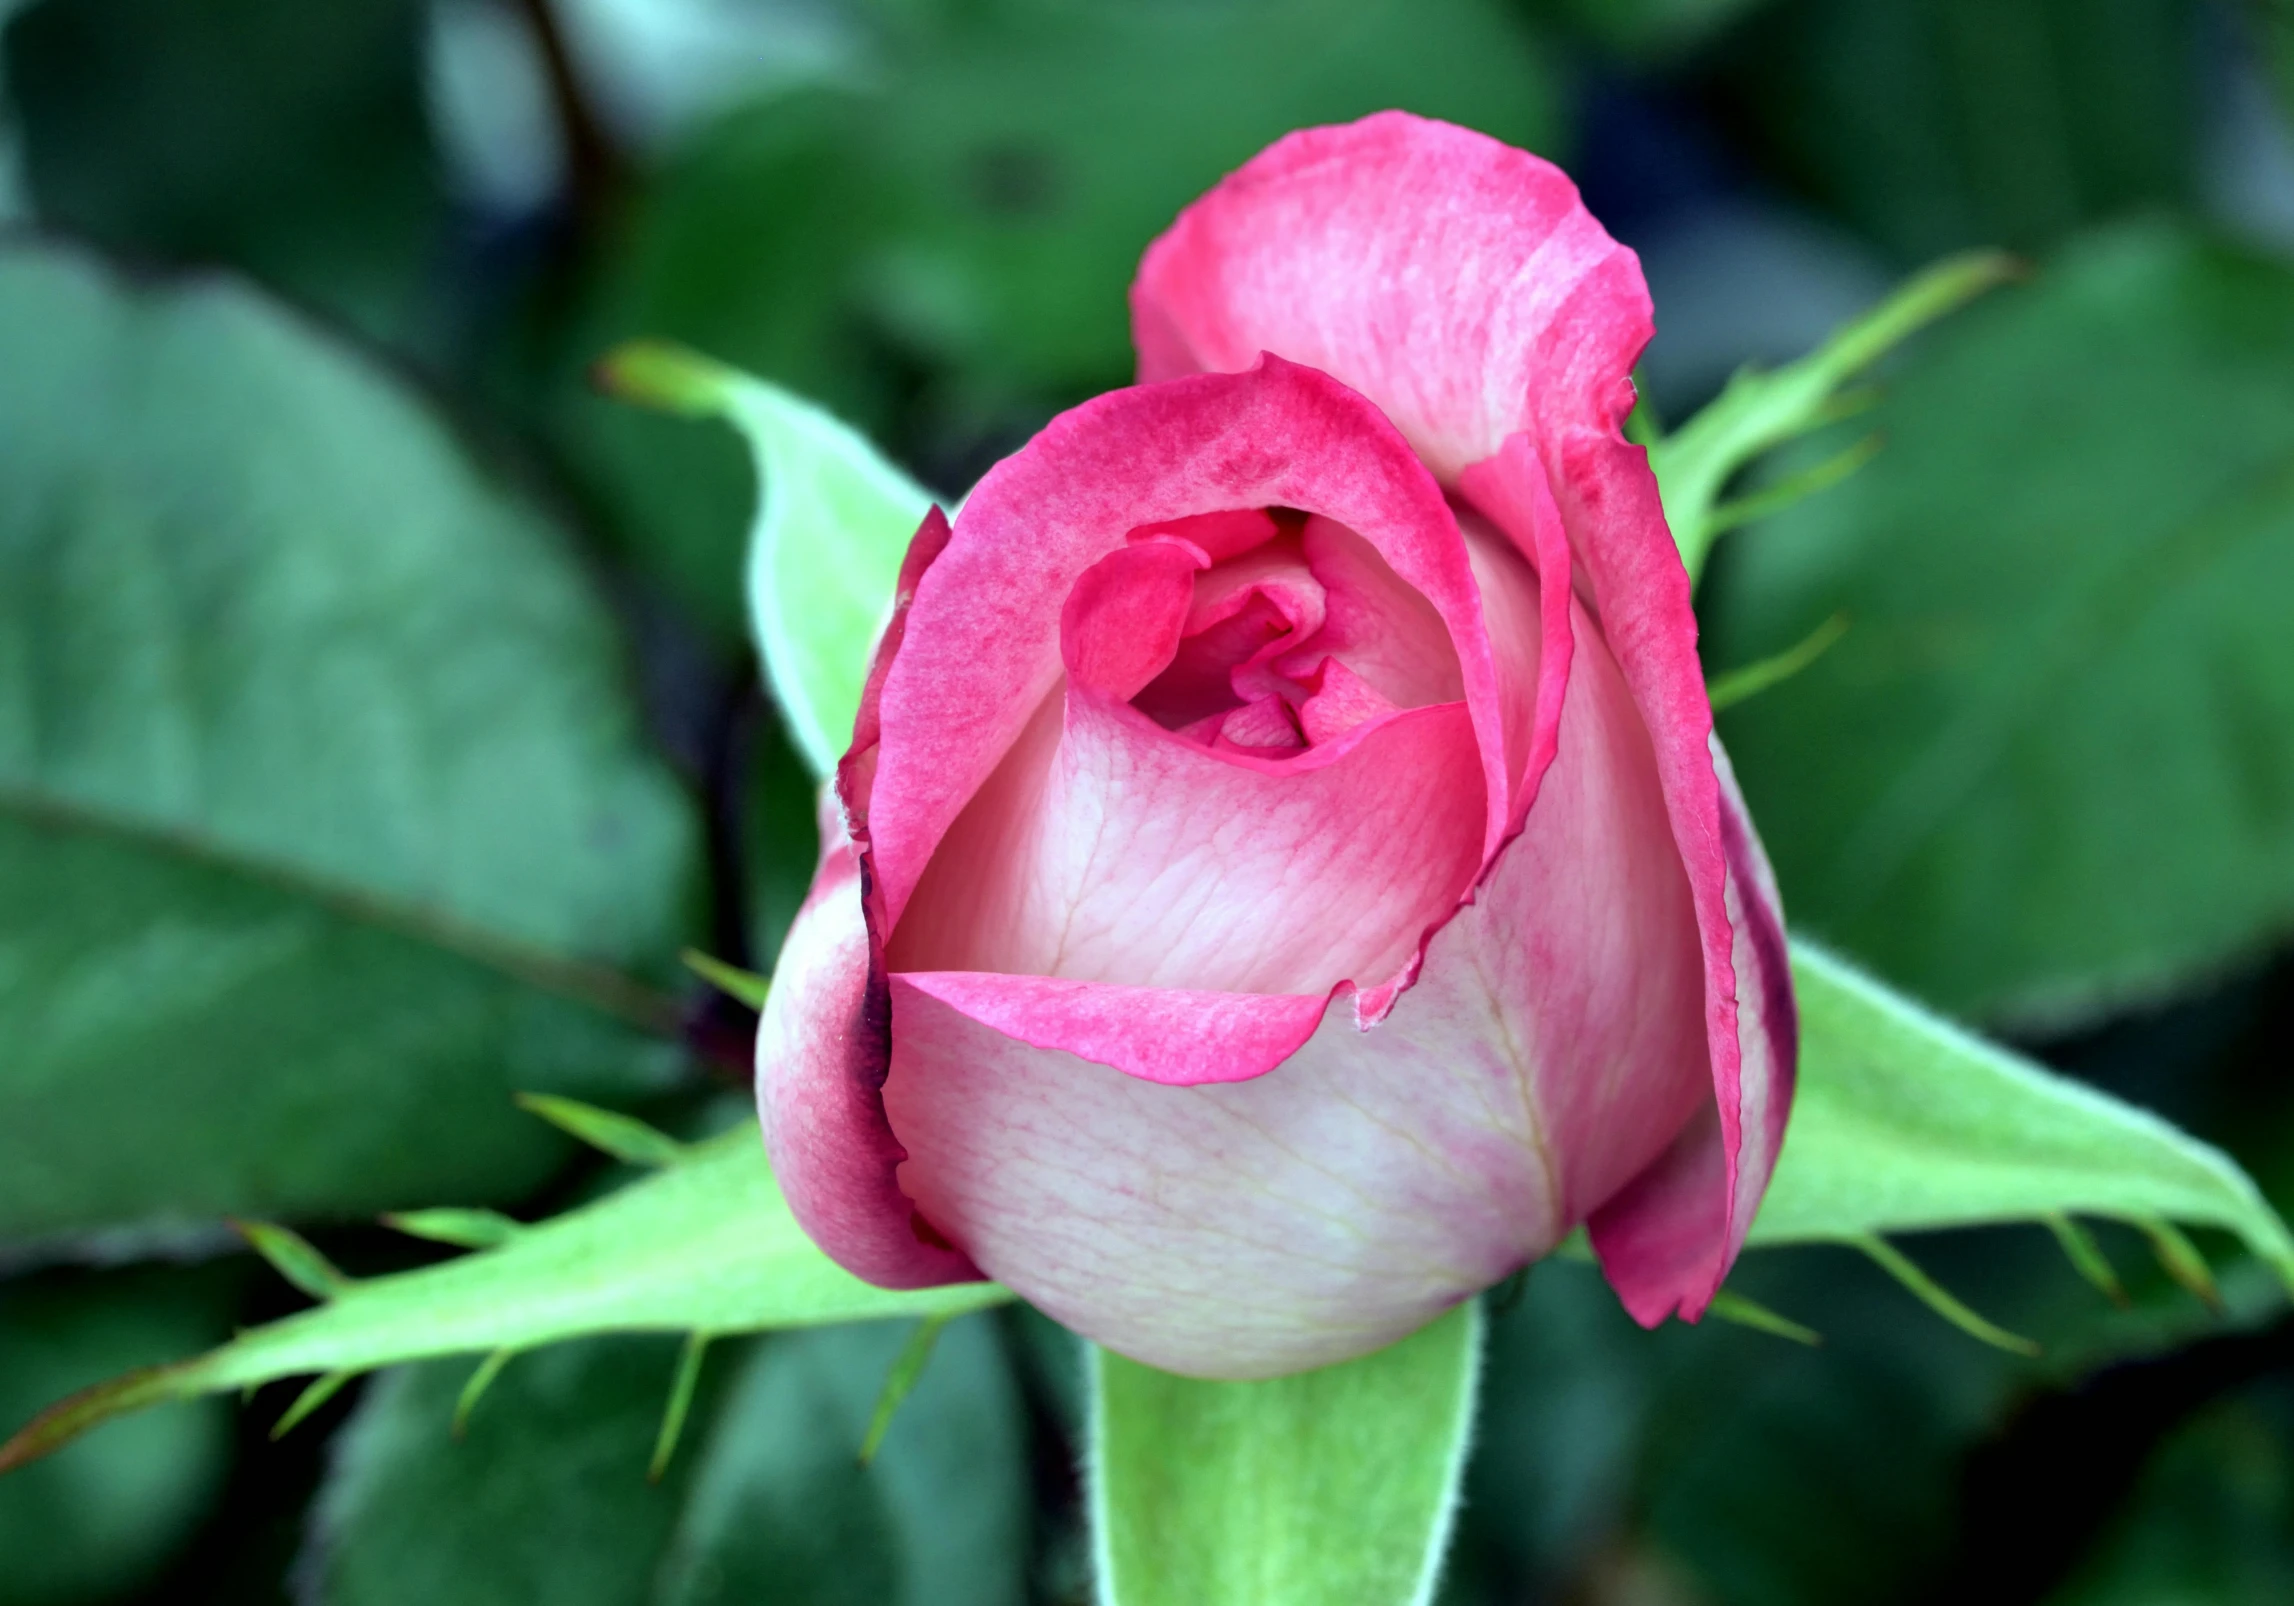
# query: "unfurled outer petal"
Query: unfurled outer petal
824,1043
1455,281
823,1048
1552,1046
1678,1226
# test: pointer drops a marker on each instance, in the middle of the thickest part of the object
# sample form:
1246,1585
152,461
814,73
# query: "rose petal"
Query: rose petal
1116,851
1160,1034
982,639
822,1054
1456,281
1669,1239
1552,1047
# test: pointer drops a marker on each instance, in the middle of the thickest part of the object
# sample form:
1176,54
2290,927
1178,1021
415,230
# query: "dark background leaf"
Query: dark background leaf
291,139
547,1499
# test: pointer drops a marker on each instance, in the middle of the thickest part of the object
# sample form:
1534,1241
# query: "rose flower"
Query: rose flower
1283,879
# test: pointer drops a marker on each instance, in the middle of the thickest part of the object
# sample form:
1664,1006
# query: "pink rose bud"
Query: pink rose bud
1285,878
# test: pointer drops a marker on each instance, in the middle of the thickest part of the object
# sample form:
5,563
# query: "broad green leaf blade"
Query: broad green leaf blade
326,817
2050,767
834,519
1760,411
546,1499
1902,1121
708,1245
1330,1488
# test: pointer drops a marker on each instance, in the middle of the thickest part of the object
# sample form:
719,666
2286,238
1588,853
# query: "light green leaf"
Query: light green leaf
326,817
707,1245
2049,771
1902,1121
1760,411
833,521
1329,1488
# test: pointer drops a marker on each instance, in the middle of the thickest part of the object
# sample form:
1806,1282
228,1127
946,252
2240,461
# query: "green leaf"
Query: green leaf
94,1522
1935,125
325,816
1901,1121
746,986
707,1246
624,1137
833,521
1328,1488
2050,768
1761,411
294,1258
286,139
547,1498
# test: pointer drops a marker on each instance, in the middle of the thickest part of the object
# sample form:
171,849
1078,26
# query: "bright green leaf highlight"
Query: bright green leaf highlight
1730,1306
1941,1300
2086,1256
900,1381
1725,691
744,985
315,1395
1902,1121
1759,411
2182,1261
708,1245
623,1136
464,1229
681,1387
474,1389
833,521
1329,1488
293,1258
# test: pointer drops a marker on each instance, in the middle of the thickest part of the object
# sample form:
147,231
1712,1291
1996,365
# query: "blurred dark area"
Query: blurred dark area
2046,781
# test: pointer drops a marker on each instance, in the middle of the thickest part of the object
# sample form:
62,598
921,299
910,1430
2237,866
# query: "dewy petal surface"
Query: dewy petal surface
1374,1178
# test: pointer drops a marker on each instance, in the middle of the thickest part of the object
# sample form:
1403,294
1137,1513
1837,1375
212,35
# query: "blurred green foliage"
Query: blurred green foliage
2059,569
1934,125
101,1516
546,1497
303,665
288,140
